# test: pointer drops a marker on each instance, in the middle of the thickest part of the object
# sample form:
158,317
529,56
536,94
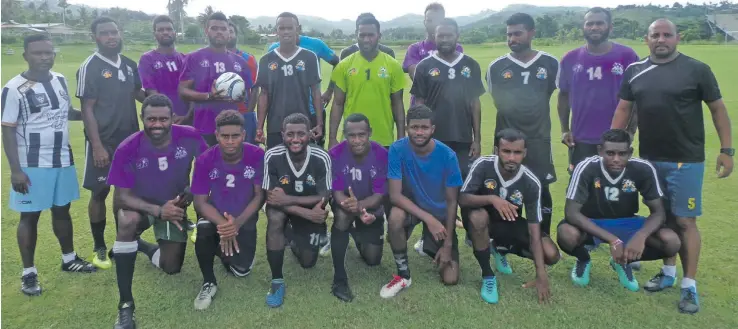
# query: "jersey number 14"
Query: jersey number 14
595,73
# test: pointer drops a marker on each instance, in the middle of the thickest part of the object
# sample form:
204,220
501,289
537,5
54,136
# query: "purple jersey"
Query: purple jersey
419,51
156,175
204,66
593,82
366,177
161,72
230,185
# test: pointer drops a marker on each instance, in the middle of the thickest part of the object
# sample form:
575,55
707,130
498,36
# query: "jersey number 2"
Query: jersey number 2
230,180
612,193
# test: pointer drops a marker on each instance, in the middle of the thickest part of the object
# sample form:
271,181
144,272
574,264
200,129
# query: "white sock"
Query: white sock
687,283
29,270
66,258
669,270
155,258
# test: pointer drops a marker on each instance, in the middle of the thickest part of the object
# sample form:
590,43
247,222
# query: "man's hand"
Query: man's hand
318,214
443,256
544,292
326,97
172,213
221,96
185,198
20,182
332,142
436,229
634,248
100,156
475,150
317,132
351,204
366,217
260,136
617,251
277,197
724,165
507,210
568,139
228,232
178,119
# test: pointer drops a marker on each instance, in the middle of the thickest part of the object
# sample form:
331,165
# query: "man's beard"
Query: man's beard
166,43
423,144
116,50
603,38
232,44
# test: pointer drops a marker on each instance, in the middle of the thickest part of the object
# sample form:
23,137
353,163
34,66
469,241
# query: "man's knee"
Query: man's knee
479,220
551,254
372,254
684,224
670,240
396,220
567,235
30,218
341,220
60,212
128,222
308,259
450,274
206,230
275,220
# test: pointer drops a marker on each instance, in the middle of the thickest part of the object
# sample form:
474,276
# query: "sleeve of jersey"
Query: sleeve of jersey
254,67
478,87
555,70
200,178
246,74
86,84
488,76
650,186
398,77
394,163
379,183
391,52
709,89
324,175
453,173
146,72
10,107
419,83
339,76
325,52
579,184
259,167
411,58
344,53
313,70
136,76
121,169
532,200
337,175
262,73
189,72
475,179
564,73
270,173
626,92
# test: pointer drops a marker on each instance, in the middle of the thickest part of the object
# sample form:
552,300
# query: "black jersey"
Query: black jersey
607,197
522,93
523,190
288,82
449,89
312,179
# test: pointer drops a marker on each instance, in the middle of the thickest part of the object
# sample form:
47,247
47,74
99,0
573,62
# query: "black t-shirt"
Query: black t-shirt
605,197
288,82
523,190
668,99
522,93
449,90
312,179
346,52
113,86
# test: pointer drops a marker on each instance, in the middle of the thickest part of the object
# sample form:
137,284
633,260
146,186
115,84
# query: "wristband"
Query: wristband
616,243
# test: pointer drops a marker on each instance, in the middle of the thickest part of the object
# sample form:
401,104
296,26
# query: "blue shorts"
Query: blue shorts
249,124
623,228
682,185
49,187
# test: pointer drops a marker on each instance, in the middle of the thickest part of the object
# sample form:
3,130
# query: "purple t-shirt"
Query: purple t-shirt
204,66
593,82
230,186
419,51
161,72
366,177
156,175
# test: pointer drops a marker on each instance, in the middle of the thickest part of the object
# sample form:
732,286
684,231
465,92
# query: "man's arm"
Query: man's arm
564,109
208,211
253,99
339,99
187,92
536,247
452,205
317,103
252,207
125,198
10,144
262,110
90,123
401,201
721,120
398,111
655,219
476,107
574,216
622,114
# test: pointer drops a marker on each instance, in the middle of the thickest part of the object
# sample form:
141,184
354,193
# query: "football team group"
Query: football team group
394,168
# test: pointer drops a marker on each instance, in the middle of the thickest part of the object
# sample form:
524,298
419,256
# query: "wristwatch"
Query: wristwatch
728,151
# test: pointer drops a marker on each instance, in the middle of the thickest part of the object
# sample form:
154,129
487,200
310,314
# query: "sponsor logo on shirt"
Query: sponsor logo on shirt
466,72
237,67
181,153
597,183
40,100
130,71
491,184
507,74
617,69
383,73
300,66
284,180
107,74
249,172
121,76
434,72
578,68
273,66
346,170
142,163
64,95
542,74
352,72
517,198
629,186
373,172
158,65
310,181
214,174
102,179
205,63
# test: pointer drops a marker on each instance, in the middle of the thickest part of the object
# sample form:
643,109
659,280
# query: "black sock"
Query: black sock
125,258
403,268
339,244
580,253
275,259
484,262
547,206
98,234
147,248
205,249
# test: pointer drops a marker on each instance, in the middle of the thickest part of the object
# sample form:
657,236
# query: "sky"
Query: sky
383,9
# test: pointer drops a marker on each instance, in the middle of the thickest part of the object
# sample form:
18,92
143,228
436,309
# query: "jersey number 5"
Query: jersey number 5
298,186
163,164
612,193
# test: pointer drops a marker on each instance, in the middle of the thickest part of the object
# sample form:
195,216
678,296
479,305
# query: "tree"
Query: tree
241,23
84,16
474,36
337,34
546,26
677,5
203,17
10,9
192,31
63,4
177,12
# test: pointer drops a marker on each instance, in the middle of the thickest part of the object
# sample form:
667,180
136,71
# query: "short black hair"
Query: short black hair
101,20
357,117
296,119
235,28
510,135
615,136
157,100
229,118
450,22
288,14
435,6
368,21
162,19
34,38
216,16
362,16
600,10
521,19
419,112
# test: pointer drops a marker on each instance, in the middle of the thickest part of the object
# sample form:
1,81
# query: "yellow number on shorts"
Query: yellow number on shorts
691,203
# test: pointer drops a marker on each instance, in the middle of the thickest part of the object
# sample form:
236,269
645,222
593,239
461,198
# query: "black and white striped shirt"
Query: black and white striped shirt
313,178
40,112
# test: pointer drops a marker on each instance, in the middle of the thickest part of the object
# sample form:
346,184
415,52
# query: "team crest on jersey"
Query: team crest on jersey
64,95
578,68
158,65
40,100
434,72
107,74
542,74
181,153
284,180
214,174
617,69
383,73
300,66
130,71
346,170
310,181
628,186
237,67
249,172
507,74
597,183
466,72
205,63
373,172
490,184
352,72
273,66
142,163
517,198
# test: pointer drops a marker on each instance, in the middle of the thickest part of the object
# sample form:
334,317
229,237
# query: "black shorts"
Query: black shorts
510,237
539,160
579,152
95,179
210,139
246,238
430,245
369,234
305,233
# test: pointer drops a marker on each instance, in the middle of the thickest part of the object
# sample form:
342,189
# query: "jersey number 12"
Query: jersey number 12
612,193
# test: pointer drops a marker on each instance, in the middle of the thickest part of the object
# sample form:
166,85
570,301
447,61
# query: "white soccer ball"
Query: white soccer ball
230,85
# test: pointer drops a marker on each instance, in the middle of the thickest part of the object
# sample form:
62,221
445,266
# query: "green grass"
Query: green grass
163,301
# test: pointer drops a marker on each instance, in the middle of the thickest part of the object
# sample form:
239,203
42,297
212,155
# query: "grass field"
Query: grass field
163,301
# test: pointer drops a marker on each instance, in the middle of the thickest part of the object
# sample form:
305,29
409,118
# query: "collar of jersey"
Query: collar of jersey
107,60
304,165
607,175
502,180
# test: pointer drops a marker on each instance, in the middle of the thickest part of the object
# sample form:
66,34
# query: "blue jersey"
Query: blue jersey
425,177
315,45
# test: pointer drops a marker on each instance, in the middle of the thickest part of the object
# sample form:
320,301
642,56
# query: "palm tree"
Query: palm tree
203,17
177,12
63,4
83,16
